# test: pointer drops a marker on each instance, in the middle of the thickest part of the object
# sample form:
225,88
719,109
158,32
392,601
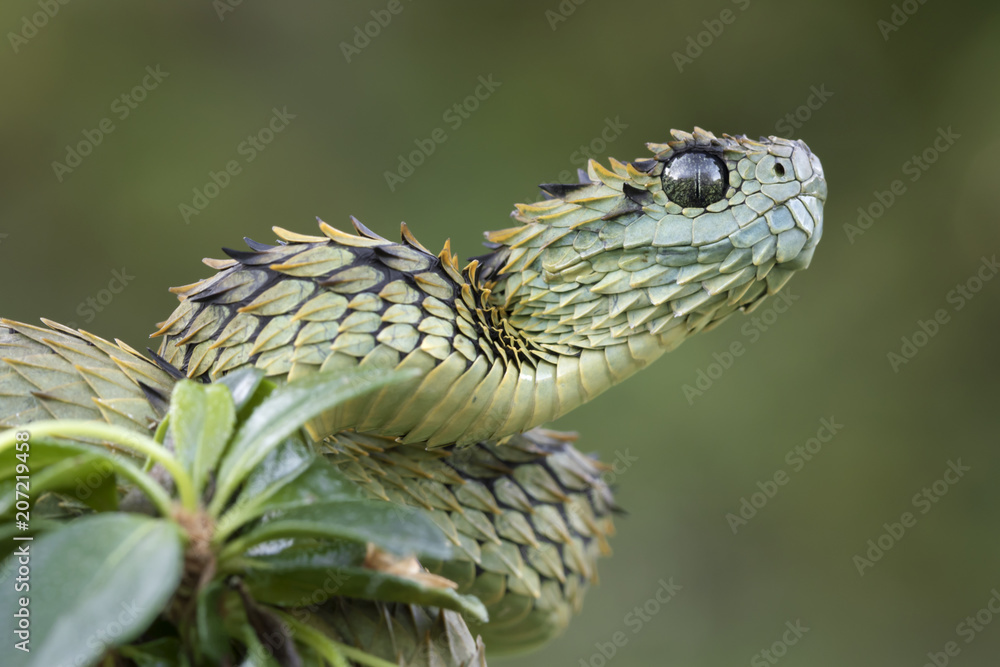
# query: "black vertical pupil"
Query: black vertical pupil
695,180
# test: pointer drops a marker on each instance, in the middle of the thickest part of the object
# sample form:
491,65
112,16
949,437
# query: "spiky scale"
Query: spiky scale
789,244
48,373
528,459
764,250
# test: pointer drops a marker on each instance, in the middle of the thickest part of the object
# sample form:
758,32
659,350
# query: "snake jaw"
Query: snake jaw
617,255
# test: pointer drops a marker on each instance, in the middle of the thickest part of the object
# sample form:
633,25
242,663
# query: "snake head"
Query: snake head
667,245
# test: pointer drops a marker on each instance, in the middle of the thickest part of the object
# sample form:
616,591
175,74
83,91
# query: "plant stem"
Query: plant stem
159,436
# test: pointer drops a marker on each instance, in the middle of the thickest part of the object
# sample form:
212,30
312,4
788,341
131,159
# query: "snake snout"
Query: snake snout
792,179
809,171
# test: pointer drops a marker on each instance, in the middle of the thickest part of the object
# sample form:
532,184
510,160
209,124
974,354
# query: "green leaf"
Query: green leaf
281,464
320,482
201,421
401,530
243,385
88,477
292,475
97,582
285,411
306,554
302,578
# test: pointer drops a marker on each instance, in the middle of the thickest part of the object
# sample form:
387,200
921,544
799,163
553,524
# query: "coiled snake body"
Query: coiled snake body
591,285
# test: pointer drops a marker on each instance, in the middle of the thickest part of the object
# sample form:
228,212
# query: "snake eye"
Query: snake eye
695,180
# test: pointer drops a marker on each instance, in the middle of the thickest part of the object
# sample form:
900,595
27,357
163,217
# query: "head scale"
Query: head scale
667,245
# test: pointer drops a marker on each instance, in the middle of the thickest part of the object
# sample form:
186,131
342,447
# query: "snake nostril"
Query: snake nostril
779,169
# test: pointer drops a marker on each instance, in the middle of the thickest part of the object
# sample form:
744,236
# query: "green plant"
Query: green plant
203,544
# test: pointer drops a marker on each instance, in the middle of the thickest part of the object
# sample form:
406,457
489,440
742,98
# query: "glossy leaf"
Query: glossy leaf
305,586
395,528
97,582
201,421
286,410
291,476
243,385
283,463
310,554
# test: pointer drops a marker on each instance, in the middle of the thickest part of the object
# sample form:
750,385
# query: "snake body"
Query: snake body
592,284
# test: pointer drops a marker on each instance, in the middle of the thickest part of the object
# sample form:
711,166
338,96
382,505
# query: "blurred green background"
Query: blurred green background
566,72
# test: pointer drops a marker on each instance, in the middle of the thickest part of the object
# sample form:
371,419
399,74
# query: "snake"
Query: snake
590,285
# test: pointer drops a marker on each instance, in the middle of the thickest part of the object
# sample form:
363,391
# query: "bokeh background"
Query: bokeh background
567,71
